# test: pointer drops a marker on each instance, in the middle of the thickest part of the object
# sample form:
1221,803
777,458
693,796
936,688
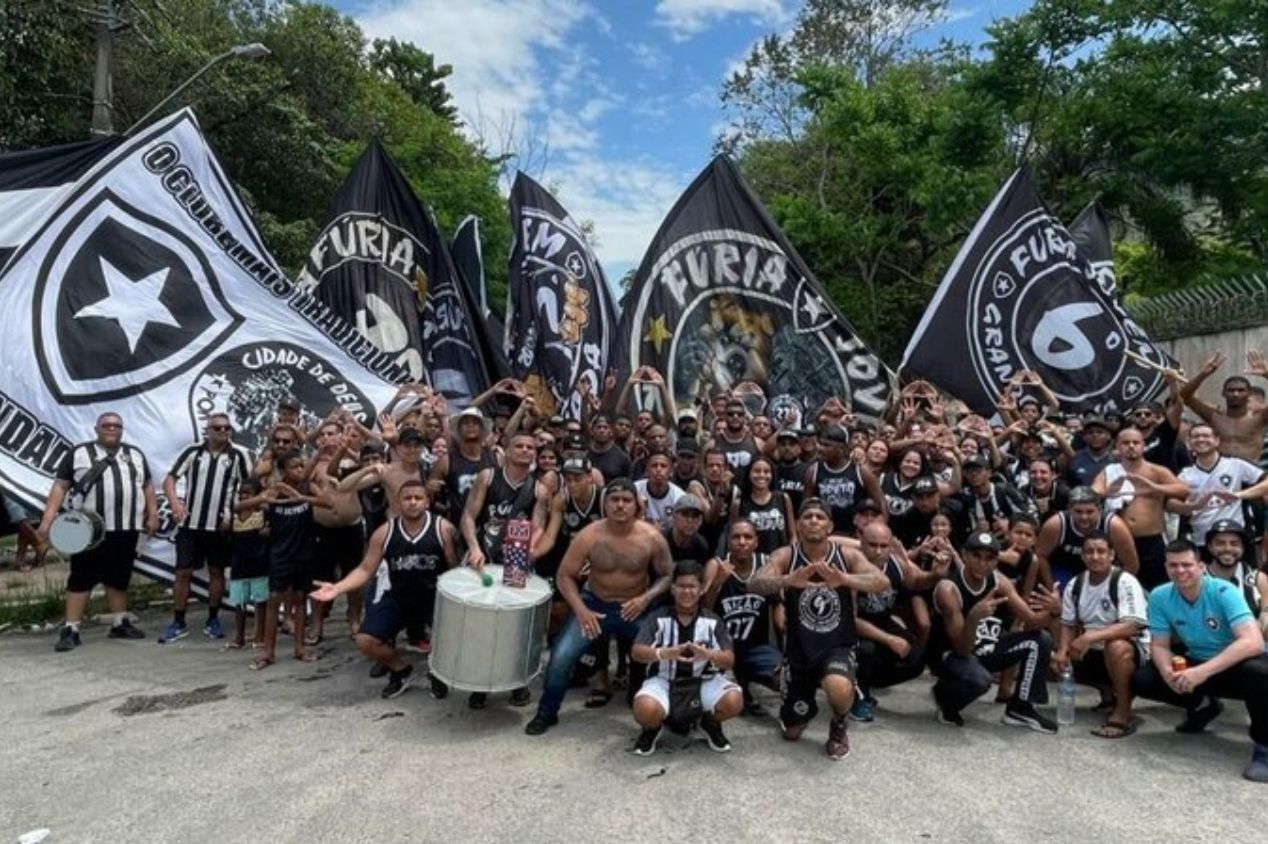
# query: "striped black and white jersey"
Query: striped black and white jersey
662,629
118,495
211,483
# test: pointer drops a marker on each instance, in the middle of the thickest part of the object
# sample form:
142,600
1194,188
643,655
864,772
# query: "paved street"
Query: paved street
137,742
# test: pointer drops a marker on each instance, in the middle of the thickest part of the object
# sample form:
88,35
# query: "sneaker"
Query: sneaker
754,708
540,724
67,639
125,630
646,743
171,633
863,710
1023,714
378,670
713,732
838,745
1257,769
478,700
213,630
439,690
398,682
521,697
951,719
1196,720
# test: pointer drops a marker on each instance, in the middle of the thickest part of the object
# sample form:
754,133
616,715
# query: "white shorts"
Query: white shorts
711,691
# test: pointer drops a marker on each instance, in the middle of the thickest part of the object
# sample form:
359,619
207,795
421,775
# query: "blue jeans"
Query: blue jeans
756,663
571,644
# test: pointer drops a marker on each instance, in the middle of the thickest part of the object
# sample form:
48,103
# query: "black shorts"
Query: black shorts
800,684
290,575
198,548
1151,551
109,564
1092,670
339,551
387,617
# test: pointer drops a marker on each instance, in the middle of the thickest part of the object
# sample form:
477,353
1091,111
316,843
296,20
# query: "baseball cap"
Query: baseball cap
808,431
689,503
575,442
410,435
688,445
835,434
577,465
688,413
1154,406
1084,495
867,505
787,434
289,403
924,485
981,542
1225,526
469,413
557,422
977,461
1095,422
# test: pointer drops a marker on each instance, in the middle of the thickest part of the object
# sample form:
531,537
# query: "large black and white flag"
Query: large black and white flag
559,316
147,292
1023,294
722,297
468,259
32,181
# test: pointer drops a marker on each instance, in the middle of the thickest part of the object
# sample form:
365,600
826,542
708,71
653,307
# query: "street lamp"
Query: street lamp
255,50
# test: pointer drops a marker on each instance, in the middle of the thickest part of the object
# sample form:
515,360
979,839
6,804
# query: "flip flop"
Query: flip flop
597,699
232,646
1120,729
261,662
314,640
307,656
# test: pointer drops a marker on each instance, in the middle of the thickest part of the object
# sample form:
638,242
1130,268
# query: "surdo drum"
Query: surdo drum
76,531
488,638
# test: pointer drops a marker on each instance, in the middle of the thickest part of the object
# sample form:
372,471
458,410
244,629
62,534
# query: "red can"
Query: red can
1179,663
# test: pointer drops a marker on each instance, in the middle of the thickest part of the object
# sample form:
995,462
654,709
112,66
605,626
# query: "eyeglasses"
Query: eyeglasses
110,426
219,427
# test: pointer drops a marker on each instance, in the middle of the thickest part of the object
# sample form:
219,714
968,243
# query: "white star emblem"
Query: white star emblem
574,265
813,308
131,304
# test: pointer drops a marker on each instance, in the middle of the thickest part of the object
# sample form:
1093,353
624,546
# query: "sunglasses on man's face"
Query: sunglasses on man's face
220,427
277,441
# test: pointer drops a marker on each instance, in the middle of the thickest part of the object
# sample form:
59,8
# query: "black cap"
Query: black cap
807,431
289,403
557,422
688,445
576,466
981,542
977,461
924,485
1095,422
575,442
1225,526
410,435
835,434
814,503
787,434
867,505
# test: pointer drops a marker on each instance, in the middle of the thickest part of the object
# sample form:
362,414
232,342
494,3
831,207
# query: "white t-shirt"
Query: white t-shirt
1229,473
1096,609
659,509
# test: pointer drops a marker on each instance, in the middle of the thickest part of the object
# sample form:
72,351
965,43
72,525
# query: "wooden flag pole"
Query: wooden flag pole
1144,361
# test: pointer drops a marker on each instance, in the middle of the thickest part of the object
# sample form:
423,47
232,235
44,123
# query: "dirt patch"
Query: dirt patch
147,704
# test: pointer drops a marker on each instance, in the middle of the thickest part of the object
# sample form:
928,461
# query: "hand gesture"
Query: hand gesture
986,607
324,592
1045,600
1213,361
1079,647
1256,363
833,577
725,569
801,578
609,381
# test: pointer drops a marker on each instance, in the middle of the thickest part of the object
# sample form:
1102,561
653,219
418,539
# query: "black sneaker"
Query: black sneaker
1023,714
478,700
539,724
67,639
713,732
521,697
125,630
1195,720
439,690
838,744
378,670
646,744
754,708
398,682
951,719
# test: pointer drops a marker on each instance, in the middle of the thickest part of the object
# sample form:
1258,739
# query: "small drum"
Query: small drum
488,638
76,531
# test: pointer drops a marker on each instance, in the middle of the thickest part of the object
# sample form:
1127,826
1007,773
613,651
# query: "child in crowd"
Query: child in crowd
249,572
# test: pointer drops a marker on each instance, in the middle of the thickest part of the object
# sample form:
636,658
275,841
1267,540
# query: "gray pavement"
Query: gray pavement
140,742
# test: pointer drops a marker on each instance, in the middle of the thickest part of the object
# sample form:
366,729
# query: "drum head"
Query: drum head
71,532
464,585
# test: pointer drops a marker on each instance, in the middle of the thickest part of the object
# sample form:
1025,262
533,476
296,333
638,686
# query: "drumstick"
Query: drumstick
1144,361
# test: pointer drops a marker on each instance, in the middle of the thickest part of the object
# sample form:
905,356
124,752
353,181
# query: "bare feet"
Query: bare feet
261,662
306,656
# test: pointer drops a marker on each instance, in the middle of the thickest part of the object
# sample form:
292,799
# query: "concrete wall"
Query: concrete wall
1190,351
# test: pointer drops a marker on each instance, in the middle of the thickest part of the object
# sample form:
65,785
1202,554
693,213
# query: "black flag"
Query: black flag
559,317
722,298
370,264
468,258
1091,233
1023,294
455,345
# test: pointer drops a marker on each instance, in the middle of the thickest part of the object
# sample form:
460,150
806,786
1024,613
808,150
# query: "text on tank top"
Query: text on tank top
820,618
840,489
462,475
746,614
875,605
413,561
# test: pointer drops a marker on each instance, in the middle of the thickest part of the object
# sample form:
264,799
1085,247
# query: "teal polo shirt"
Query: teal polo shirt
1206,625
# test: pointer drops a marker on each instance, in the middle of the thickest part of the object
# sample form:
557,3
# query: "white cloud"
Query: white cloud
685,18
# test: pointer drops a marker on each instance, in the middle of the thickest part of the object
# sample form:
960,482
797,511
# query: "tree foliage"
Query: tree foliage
287,128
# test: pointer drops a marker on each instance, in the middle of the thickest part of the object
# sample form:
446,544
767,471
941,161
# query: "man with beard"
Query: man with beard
687,426
455,473
839,481
735,441
605,455
1059,548
1239,425
629,569
1218,484
687,472
819,575
501,495
790,470
656,441
990,506
1229,558
417,546
1095,455
1138,491
1160,426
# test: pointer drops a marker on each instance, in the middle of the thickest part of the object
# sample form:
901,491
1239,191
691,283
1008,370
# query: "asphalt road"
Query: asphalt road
140,742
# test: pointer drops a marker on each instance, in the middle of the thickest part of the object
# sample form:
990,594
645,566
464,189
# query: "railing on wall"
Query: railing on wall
1210,308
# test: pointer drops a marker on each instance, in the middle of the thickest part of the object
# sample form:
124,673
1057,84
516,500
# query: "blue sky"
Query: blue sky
615,101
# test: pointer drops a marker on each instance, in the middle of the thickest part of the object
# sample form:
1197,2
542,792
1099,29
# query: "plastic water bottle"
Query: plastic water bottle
1066,691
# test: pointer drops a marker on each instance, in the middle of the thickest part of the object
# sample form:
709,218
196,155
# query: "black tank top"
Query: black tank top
413,561
876,606
373,507
840,489
577,516
820,619
738,455
746,614
790,479
1068,555
461,477
770,520
292,532
989,629
897,496
504,501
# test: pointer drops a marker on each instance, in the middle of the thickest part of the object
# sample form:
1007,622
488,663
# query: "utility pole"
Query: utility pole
103,77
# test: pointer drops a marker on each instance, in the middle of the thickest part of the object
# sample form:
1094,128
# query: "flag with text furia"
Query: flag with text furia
1024,294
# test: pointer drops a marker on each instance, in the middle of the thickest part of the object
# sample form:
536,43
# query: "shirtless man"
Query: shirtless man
340,531
1059,548
629,569
1138,491
1239,426
454,474
391,476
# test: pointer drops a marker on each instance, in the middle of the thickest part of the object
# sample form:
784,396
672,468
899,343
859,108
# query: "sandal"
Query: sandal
314,639
306,656
233,646
597,699
1115,730
261,662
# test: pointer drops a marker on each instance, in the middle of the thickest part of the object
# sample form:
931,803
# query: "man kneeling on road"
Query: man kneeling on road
689,649
1103,632
1225,658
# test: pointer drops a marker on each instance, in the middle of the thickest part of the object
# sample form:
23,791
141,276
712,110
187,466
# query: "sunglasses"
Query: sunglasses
220,427
110,426
735,413
277,441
